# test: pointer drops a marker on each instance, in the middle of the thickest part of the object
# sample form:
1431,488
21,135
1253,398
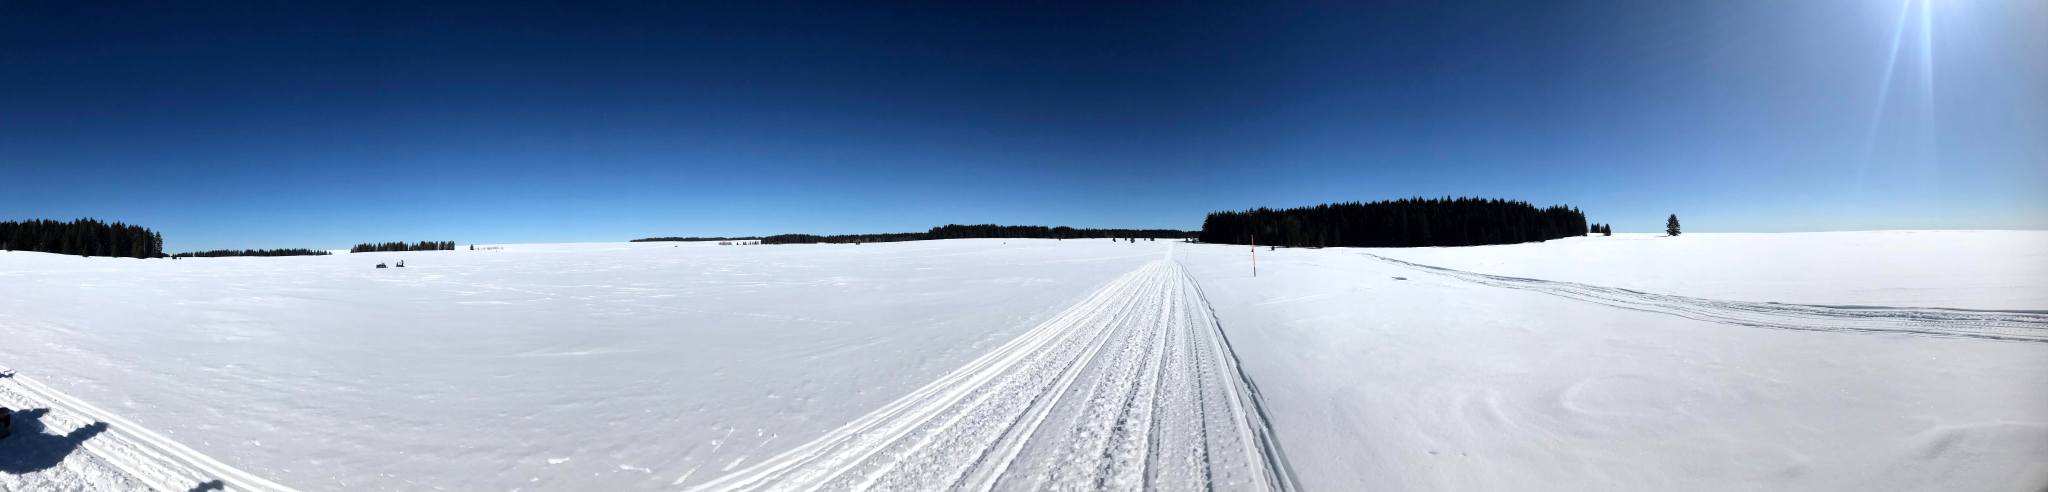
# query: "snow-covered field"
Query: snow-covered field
1950,269
1622,363
586,366
1459,381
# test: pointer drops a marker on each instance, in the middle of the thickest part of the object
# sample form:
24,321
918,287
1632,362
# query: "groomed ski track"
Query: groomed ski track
1135,387
98,450
1991,325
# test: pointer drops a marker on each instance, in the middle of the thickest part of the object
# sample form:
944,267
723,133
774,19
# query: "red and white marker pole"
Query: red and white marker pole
1255,256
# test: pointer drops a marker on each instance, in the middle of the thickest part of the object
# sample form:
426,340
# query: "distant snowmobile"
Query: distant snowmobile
381,265
401,263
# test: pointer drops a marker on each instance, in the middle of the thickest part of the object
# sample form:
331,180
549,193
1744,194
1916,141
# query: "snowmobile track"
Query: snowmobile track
115,453
1992,325
1132,388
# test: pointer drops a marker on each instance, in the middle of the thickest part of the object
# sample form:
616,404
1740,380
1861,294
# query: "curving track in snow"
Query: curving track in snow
1135,387
88,448
1994,325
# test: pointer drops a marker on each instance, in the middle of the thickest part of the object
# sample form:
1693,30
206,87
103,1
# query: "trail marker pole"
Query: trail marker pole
1255,256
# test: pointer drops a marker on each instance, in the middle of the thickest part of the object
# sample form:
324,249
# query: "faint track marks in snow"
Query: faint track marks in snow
1993,325
124,456
1135,387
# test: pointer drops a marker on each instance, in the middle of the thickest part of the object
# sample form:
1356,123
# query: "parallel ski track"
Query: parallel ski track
1992,325
142,458
1132,388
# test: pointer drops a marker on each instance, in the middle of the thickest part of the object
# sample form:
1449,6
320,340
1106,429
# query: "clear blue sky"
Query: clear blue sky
305,124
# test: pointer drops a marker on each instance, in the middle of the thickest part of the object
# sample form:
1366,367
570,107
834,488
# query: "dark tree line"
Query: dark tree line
957,231
843,238
1396,223
252,252
88,237
403,246
693,238
1601,229
978,231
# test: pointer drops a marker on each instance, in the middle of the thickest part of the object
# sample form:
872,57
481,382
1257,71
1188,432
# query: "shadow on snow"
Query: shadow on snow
30,450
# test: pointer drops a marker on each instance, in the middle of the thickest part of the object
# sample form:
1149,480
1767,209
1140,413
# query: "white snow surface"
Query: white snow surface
1949,269
573,366
1622,363
1132,388
1444,382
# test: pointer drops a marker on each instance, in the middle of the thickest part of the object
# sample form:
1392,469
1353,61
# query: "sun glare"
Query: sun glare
1909,10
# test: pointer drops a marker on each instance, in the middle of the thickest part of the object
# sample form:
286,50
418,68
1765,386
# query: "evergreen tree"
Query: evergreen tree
957,231
1404,222
87,237
694,238
403,246
1671,225
251,252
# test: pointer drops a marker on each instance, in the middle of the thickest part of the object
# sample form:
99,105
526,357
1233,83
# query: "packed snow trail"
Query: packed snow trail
1995,325
87,448
1133,388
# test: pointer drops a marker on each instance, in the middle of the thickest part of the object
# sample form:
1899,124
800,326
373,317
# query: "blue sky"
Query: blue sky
305,124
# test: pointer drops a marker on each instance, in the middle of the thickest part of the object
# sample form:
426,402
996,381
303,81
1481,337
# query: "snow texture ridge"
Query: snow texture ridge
99,450
1133,388
1994,325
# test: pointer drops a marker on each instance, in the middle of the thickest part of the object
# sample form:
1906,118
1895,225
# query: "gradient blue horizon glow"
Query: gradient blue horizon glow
265,125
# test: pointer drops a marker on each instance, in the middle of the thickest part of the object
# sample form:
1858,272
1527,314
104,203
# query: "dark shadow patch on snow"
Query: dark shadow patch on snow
213,485
30,450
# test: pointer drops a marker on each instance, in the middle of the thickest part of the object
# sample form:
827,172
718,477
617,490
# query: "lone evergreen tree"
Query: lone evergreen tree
1671,225
1606,229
